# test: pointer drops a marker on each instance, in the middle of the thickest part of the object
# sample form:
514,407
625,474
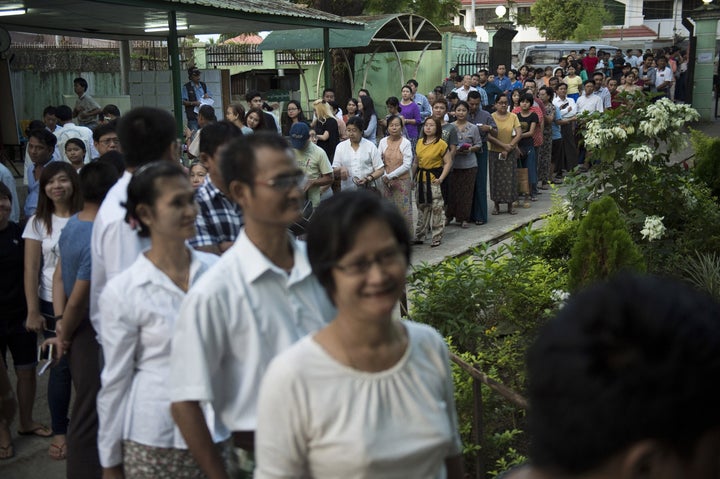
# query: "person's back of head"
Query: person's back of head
626,365
146,134
115,159
96,179
111,110
216,134
63,113
208,113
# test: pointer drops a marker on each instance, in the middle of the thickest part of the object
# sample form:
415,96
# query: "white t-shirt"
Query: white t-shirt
661,76
590,104
359,163
322,419
35,230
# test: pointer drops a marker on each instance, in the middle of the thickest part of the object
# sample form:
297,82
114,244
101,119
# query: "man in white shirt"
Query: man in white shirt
146,135
601,90
258,299
663,76
466,88
568,111
589,102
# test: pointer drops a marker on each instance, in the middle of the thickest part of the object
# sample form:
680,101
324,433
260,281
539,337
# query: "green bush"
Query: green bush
604,246
707,160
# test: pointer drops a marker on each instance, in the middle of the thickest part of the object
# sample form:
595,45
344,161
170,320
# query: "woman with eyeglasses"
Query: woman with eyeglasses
357,161
137,436
369,395
292,115
59,198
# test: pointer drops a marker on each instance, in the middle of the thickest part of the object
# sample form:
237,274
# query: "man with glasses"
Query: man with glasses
192,93
105,138
258,299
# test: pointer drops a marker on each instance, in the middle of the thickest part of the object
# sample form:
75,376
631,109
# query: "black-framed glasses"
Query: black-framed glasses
285,182
384,259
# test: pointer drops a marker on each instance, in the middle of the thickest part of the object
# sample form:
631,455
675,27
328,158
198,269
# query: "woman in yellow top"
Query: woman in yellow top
502,157
574,82
432,165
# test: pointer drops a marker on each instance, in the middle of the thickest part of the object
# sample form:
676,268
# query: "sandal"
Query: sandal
533,198
39,431
464,225
479,222
512,211
526,204
495,212
435,243
57,452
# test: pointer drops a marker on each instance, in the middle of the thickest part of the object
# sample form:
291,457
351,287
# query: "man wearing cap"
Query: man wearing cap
312,160
449,82
192,92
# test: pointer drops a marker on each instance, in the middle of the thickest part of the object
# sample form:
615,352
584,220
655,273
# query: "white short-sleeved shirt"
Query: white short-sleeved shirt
139,309
35,230
359,163
589,104
114,245
322,419
234,321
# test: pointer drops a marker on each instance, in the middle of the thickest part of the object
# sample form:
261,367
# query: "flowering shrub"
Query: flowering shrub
666,209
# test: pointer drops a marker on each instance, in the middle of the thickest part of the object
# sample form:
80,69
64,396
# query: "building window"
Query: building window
616,12
484,15
524,17
658,9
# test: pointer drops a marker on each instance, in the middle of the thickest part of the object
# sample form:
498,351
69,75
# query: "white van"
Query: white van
544,55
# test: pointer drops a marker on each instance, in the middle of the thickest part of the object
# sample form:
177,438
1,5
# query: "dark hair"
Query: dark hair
96,179
589,81
145,135
368,110
104,129
43,136
474,95
334,227
301,115
357,122
464,104
111,110
261,114
394,102
115,159
207,112
252,94
77,142
142,189
598,73
392,118
452,95
483,70
353,100
5,192
49,110
406,86
45,206
413,82
438,127
34,125
82,82
63,113
439,100
528,98
550,92
364,90
632,359
216,134
328,90
238,162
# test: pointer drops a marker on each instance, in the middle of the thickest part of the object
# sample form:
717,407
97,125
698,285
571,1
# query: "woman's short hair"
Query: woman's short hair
357,122
143,189
334,226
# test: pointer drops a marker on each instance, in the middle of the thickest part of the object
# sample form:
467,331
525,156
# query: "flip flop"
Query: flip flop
495,212
57,452
37,431
7,452
435,244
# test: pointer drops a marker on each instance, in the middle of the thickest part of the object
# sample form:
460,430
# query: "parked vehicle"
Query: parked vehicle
542,55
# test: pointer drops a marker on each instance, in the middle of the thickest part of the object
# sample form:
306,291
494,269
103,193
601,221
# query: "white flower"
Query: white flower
559,296
689,197
640,154
653,228
568,210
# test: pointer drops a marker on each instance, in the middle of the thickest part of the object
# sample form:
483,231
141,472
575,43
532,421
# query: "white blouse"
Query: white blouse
359,164
139,308
319,418
36,230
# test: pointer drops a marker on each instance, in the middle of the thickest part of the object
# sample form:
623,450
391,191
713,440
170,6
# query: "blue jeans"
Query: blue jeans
530,162
60,383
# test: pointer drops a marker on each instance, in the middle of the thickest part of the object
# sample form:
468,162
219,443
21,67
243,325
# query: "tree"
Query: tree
572,19
603,246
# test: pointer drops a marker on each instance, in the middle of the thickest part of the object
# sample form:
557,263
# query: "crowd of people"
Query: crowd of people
200,337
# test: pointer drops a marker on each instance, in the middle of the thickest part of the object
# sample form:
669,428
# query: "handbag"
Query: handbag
298,227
